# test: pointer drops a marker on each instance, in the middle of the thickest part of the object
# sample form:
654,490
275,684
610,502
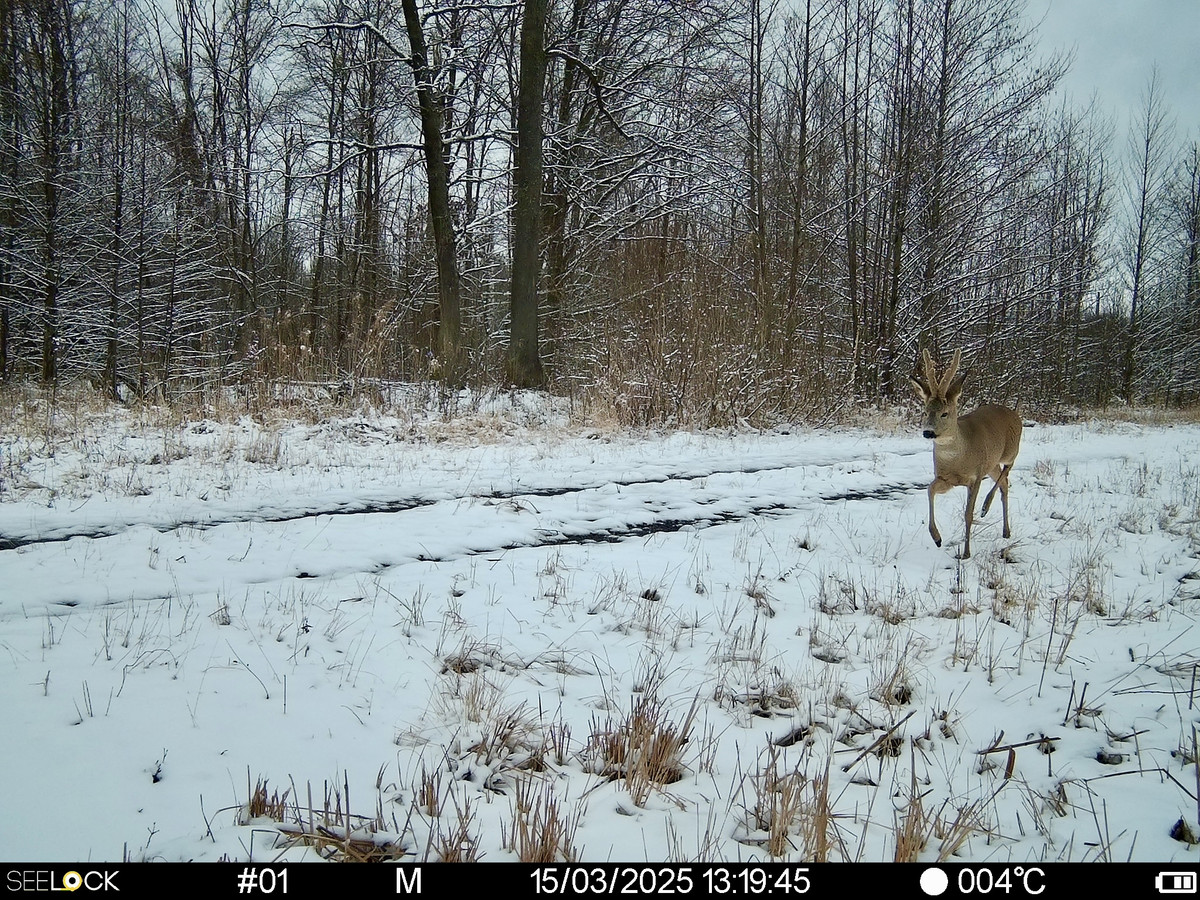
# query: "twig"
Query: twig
1161,771
1070,701
1003,747
879,740
1049,644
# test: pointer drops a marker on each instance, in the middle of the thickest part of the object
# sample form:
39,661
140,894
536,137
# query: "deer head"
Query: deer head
939,396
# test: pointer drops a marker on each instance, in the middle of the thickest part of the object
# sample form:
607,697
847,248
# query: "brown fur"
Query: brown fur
966,449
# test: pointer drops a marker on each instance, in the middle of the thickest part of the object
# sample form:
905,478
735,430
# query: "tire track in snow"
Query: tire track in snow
140,562
634,530
18,541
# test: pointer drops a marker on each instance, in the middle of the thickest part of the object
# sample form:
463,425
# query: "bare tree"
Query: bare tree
437,175
1187,211
1147,149
51,84
524,358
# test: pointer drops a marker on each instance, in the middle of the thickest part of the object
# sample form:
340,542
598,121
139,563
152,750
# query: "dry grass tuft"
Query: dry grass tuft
329,829
791,812
541,831
459,842
951,826
644,750
264,806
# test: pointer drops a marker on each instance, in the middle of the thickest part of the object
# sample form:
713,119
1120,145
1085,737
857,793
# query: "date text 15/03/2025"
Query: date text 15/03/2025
671,880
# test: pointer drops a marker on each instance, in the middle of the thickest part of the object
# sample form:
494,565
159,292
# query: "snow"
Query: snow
372,605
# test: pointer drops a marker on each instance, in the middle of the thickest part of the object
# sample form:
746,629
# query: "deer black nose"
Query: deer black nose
927,433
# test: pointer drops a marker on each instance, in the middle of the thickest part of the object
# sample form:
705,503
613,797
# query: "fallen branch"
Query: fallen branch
883,737
1001,748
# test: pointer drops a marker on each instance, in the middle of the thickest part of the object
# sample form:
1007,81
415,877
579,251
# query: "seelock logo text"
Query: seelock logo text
35,881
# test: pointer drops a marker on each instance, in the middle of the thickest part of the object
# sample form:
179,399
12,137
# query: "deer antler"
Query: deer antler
944,385
931,381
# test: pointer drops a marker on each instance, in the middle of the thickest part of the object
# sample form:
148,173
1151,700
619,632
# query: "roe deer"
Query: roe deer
965,448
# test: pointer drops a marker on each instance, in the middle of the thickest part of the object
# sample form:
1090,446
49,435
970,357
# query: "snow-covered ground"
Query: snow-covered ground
460,625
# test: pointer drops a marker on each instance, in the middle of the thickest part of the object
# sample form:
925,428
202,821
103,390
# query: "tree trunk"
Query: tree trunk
438,178
55,129
524,360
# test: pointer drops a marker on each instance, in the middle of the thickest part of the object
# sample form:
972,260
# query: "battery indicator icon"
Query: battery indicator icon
1175,882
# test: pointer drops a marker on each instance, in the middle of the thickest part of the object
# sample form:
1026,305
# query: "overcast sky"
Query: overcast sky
1116,44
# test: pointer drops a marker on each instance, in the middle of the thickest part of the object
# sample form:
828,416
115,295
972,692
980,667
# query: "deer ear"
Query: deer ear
920,389
955,390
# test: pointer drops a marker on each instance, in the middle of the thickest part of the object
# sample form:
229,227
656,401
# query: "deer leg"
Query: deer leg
987,501
937,486
972,496
1003,485
933,529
